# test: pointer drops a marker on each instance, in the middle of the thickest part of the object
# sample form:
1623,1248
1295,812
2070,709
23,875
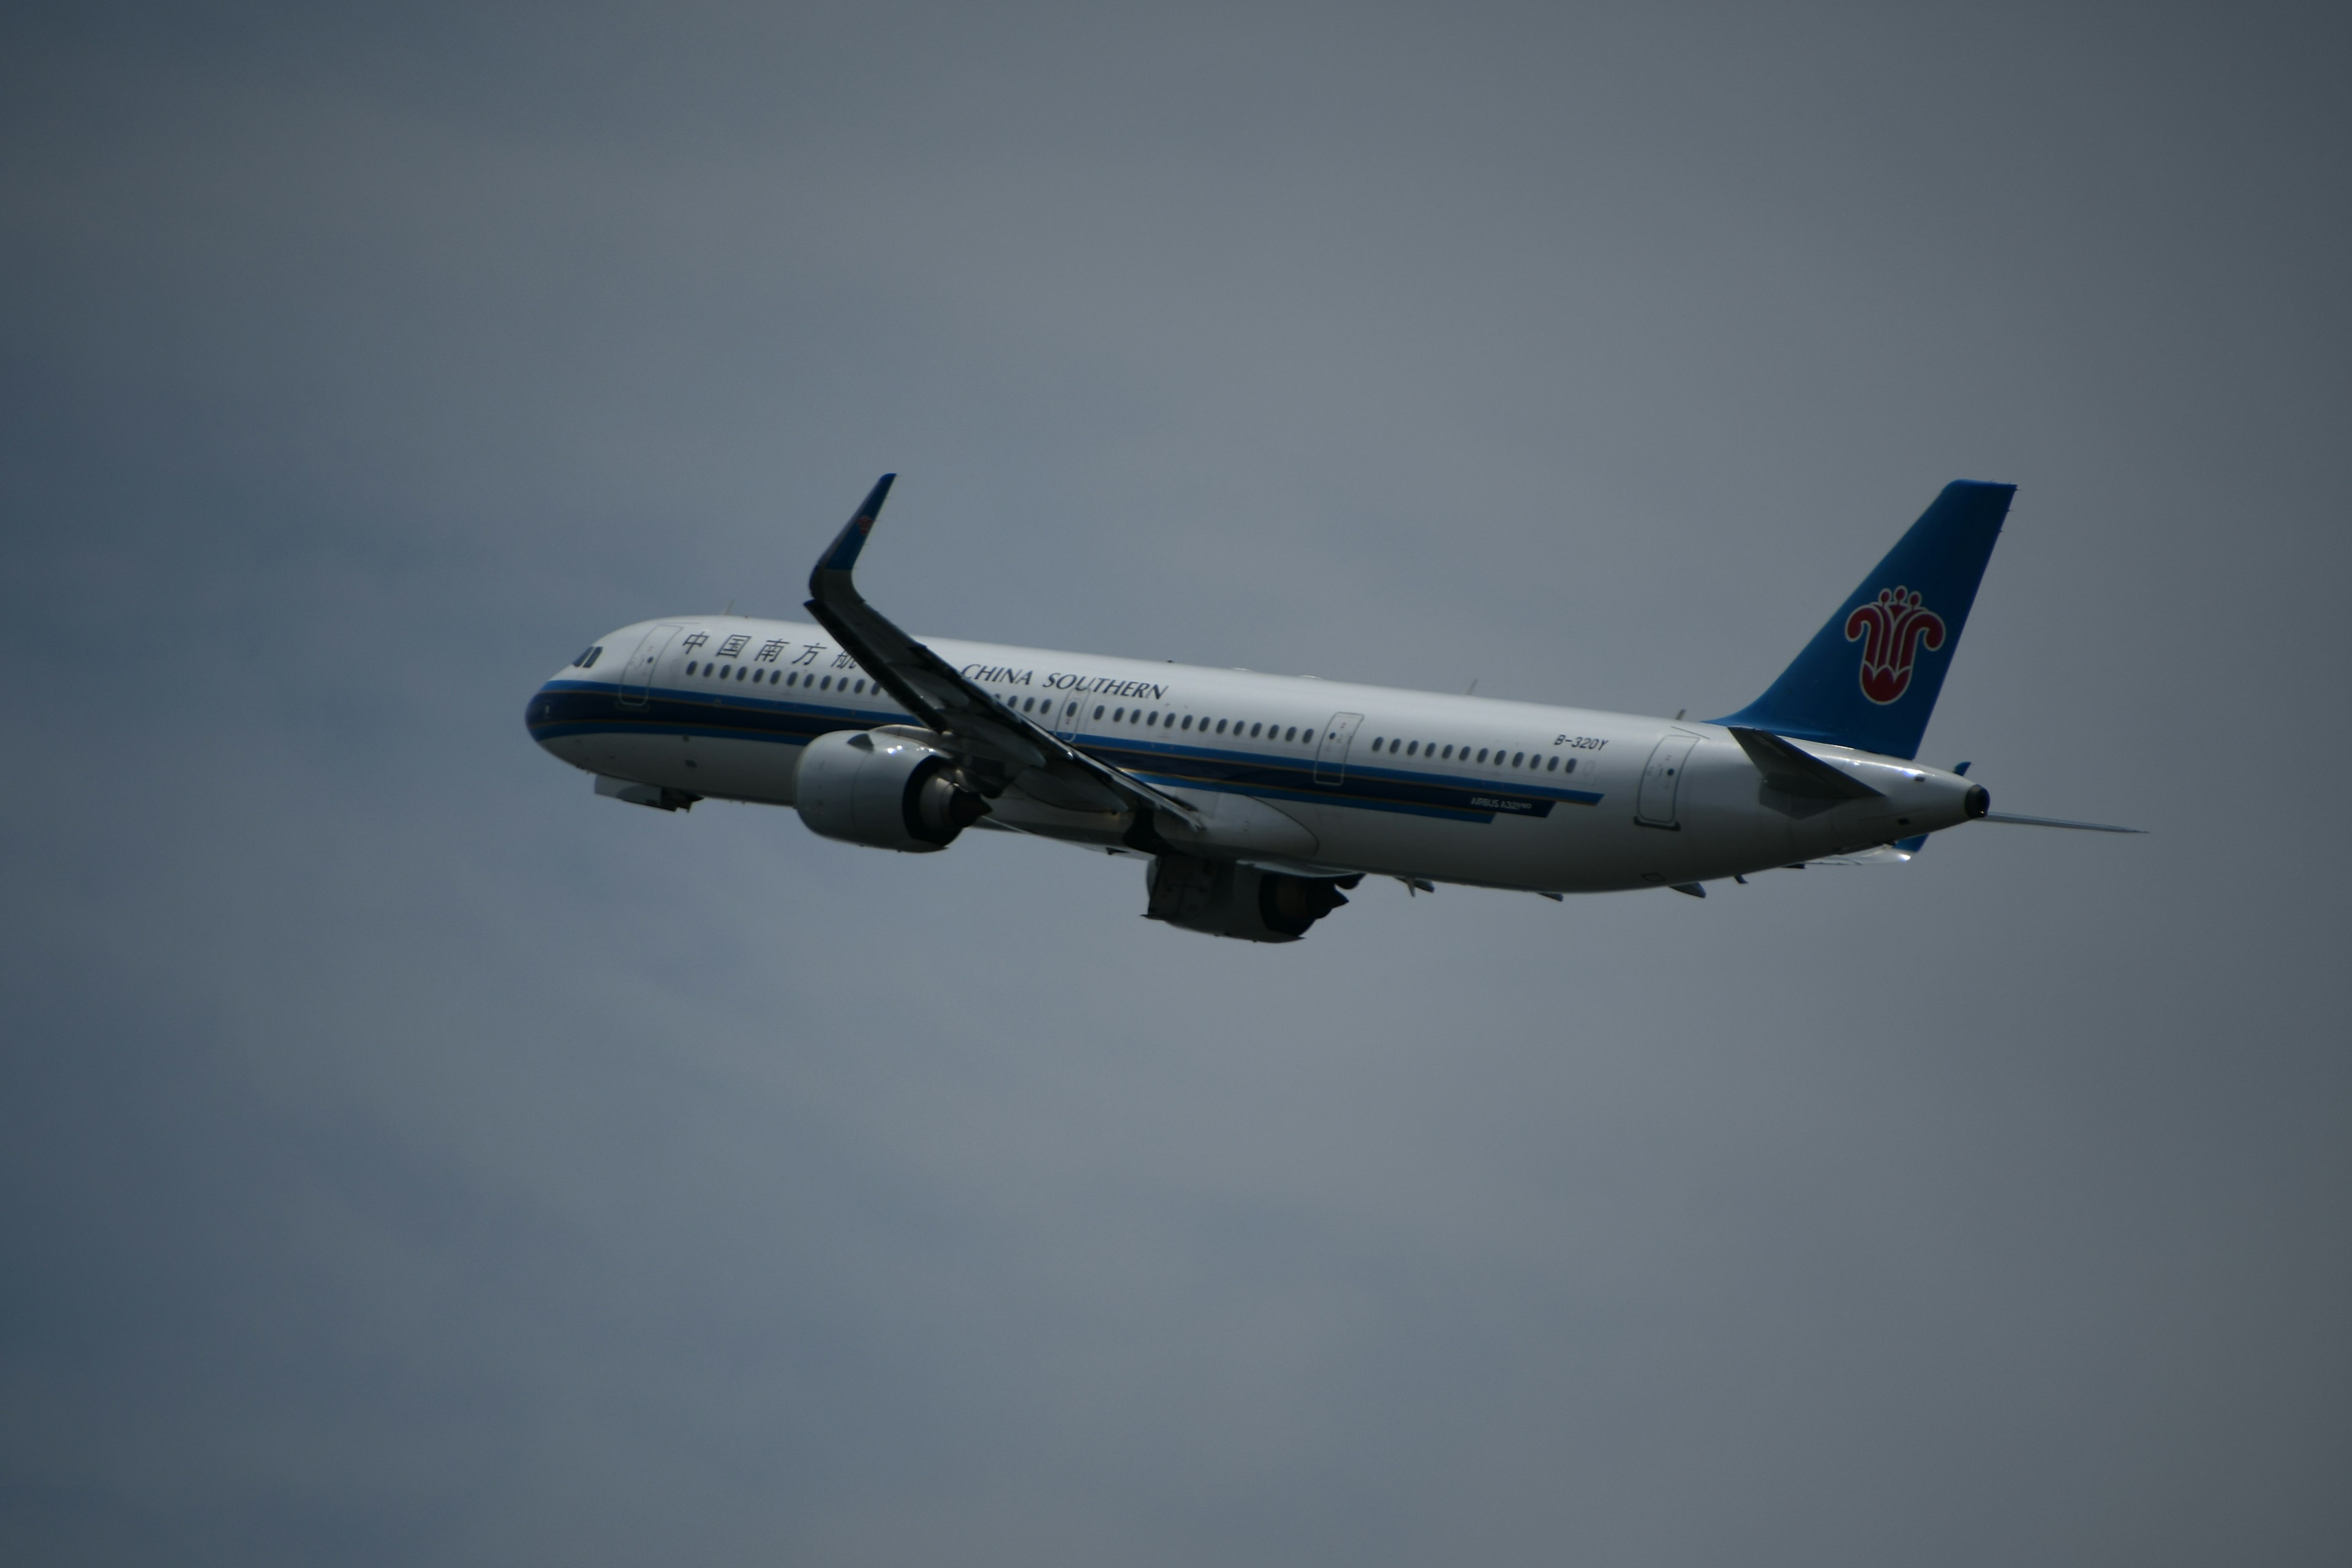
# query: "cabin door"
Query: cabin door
637,680
1331,756
1069,719
1663,778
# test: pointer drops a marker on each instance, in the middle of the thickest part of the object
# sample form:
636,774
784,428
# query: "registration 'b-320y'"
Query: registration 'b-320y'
1258,800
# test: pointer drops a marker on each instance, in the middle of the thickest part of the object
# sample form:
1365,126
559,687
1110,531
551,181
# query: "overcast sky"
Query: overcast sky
406,1156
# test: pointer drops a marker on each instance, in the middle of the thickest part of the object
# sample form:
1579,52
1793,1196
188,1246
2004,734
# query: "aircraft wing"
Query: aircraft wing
1000,747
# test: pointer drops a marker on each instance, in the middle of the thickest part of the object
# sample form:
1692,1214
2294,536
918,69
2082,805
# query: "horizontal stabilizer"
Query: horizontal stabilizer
2054,822
1877,854
1792,770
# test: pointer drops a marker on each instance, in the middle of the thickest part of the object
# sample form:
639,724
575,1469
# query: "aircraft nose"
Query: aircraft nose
538,713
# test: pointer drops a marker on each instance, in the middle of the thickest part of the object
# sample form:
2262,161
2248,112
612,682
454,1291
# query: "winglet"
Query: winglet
842,554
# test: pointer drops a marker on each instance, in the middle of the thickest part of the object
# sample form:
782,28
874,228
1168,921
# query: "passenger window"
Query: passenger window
745,670
1221,726
1554,767
1517,758
826,685
1380,742
1292,735
1482,753
690,666
1097,710
1412,749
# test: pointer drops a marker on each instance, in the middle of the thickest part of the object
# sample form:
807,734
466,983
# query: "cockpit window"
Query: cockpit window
588,659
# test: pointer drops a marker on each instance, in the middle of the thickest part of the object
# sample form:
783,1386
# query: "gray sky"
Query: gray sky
410,1157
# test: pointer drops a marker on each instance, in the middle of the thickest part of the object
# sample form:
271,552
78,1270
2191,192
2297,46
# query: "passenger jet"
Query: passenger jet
1259,799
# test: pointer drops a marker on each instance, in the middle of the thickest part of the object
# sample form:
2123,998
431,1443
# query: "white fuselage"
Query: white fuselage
1291,773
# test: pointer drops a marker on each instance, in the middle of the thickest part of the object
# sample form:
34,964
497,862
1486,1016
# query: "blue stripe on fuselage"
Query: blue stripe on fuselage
572,707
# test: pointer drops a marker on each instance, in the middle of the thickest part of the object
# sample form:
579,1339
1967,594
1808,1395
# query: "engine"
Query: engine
884,789
1227,900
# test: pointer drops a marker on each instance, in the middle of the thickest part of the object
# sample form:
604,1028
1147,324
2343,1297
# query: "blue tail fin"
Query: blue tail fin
1869,677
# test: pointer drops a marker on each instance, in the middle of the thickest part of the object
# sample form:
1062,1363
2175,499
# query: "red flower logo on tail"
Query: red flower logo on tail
1895,627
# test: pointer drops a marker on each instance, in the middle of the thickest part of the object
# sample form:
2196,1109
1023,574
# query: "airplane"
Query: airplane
1261,800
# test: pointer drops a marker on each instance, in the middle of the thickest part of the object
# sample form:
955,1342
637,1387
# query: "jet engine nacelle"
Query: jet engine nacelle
1223,899
883,789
